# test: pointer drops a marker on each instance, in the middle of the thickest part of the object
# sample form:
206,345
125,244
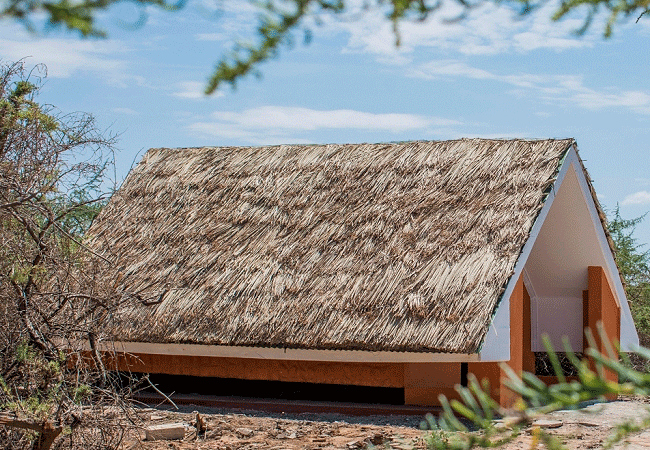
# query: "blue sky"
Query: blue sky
490,75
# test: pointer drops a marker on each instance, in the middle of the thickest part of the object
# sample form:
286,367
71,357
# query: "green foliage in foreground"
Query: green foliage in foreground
279,20
470,423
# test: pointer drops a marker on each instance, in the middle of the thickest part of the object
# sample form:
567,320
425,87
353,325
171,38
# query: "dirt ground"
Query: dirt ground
226,430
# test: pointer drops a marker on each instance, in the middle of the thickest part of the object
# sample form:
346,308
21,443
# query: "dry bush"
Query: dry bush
53,291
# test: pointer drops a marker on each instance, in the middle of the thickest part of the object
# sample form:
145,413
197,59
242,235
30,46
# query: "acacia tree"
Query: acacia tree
280,19
634,264
52,172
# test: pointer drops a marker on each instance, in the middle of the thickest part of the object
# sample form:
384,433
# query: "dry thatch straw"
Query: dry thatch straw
394,247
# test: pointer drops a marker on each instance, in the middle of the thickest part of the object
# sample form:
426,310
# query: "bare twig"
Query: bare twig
160,392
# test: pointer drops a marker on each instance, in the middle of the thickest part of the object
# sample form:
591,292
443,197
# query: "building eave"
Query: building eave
224,351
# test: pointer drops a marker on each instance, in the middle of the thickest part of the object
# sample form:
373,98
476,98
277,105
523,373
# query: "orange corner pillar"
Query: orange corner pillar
424,382
522,357
602,310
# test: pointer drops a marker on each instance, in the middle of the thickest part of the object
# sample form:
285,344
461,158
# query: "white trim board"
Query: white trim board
528,284
224,351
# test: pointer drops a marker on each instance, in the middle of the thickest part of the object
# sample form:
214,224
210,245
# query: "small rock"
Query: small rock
545,423
512,421
377,439
213,434
587,423
165,431
401,446
353,445
244,432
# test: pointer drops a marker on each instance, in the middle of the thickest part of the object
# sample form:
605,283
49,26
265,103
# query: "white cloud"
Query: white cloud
590,99
65,57
108,60
194,90
269,122
293,118
565,89
230,20
487,30
451,68
503,135
232,6
638,198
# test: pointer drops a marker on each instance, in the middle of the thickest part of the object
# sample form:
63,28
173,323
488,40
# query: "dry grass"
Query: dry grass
392,247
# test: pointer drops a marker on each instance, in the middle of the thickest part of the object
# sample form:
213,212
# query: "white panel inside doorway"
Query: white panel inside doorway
557,317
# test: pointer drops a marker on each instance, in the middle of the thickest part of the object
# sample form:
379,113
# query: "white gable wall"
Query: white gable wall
570,241
557,268
565,247
566,239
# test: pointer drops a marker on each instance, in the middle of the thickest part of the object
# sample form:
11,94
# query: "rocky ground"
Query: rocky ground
224,430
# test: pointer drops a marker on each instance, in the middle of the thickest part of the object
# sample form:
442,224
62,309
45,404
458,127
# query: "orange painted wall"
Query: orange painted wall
360,374
602,309
491,373
424,382
528,356
522,357
598,306
602,306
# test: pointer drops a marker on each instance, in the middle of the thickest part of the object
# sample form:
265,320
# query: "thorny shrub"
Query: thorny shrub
52,294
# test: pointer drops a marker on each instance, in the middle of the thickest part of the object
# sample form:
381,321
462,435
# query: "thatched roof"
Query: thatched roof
382,247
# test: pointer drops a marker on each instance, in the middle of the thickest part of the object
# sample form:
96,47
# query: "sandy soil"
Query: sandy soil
584,429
